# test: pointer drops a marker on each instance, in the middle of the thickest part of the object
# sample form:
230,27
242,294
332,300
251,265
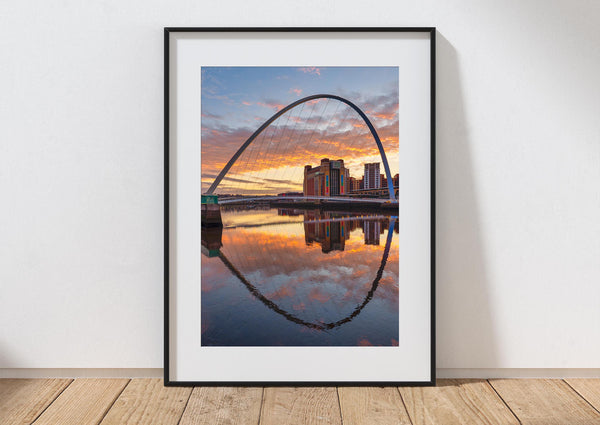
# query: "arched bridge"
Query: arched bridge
292,105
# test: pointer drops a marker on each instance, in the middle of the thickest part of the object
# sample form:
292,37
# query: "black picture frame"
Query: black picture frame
168,31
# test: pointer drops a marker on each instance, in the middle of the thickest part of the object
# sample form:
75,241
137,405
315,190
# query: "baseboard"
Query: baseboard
158,373
81,373
518,373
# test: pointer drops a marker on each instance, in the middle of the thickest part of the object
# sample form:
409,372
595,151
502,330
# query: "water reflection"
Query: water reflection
309,278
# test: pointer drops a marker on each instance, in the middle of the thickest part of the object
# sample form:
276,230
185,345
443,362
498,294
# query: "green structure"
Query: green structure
211,212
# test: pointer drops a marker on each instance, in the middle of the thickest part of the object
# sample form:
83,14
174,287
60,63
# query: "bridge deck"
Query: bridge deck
333,199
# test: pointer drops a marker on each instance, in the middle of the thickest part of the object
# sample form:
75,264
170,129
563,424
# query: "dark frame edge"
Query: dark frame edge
297,384
433,374
166,312
300,29
433,377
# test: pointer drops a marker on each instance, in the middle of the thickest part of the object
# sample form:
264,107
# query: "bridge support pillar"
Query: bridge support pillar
211,212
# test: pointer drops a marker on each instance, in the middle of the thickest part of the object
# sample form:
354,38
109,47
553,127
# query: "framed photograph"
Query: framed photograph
299,206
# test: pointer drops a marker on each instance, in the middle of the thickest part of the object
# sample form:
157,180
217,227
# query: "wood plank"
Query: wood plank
148,401
545,402
372,405
304,405
223,406
588,388
84,402
23,400
456,401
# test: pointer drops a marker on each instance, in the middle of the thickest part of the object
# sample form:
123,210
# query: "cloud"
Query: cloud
297,91
246,103
223,98
232,179
280,181
310,70
211,116
270,103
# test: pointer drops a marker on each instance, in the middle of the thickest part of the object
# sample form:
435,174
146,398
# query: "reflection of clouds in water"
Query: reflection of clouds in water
302,279
212,273
299,307
282,292
243,217
317,294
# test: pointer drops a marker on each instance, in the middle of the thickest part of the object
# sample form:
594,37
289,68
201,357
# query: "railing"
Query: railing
340,199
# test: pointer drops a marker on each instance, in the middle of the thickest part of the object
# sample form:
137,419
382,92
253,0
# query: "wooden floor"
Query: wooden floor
146,401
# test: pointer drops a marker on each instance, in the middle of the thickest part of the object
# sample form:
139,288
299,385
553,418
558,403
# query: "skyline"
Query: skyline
236,101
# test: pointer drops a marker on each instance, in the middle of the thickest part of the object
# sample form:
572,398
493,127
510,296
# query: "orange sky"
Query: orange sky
234,106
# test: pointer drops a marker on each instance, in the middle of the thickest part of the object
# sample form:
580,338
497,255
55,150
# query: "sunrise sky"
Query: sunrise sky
236,101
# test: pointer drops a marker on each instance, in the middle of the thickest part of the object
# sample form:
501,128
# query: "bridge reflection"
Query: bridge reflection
330,231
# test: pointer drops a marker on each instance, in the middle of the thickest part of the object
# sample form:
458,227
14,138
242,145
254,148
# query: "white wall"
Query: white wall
81,175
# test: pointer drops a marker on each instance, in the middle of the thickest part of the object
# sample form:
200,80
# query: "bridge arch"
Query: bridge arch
292,105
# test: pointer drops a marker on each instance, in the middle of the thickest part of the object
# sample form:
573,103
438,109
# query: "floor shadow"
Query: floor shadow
441,383
465,328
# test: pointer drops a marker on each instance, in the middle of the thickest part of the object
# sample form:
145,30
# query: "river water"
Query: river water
288,277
